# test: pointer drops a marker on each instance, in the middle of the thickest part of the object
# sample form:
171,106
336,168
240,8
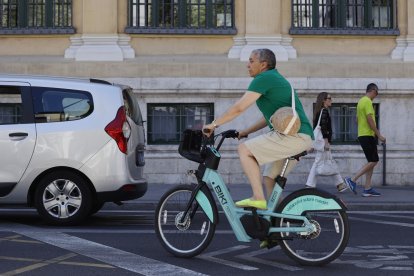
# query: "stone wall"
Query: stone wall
164,165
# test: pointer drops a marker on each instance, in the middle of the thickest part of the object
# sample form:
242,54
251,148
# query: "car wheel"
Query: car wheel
96,207
63,198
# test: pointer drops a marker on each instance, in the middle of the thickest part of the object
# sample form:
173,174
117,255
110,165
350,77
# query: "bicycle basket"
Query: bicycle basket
190,145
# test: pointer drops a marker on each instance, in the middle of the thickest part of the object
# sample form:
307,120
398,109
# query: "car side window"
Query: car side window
10,105
56,105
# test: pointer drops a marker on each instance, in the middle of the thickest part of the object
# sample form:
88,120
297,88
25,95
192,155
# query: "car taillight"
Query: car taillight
120,130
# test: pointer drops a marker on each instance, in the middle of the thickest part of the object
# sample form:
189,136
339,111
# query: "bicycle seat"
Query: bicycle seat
297,156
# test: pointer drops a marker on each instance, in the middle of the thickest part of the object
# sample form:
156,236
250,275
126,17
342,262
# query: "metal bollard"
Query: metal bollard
384,164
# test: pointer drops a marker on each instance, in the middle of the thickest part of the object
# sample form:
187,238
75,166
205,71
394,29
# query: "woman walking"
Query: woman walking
323,102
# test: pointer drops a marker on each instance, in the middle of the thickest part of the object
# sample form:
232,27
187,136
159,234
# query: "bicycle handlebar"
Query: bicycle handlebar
230,133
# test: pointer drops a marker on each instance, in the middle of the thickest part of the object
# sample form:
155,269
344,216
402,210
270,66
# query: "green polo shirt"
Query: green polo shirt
275,93
364,108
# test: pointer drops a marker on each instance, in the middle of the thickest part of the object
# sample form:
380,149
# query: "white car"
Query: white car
67,146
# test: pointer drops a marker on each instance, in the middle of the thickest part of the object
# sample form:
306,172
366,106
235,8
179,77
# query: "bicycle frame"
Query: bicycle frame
233,214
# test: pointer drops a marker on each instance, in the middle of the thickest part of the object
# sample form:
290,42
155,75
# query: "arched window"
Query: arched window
36,16
377,17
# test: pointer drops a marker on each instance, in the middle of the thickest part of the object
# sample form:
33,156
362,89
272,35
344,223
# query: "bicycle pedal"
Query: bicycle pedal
268,244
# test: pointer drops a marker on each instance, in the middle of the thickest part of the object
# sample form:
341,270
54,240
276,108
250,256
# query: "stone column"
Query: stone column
264,21
409,51
286,24
240,20
405,42
98,39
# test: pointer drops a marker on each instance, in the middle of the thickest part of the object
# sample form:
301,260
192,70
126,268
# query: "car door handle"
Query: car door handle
18,134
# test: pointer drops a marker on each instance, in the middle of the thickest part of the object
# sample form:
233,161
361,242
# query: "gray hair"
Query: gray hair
266,55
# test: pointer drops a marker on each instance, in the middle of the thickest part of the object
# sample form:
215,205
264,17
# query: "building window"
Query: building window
36,17
10,105
353,17
344,123
181,17
166,122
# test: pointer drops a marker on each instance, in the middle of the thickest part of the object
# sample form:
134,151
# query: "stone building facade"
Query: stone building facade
190,57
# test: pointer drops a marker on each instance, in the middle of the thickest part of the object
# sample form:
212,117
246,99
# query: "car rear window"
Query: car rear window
131,106
56,105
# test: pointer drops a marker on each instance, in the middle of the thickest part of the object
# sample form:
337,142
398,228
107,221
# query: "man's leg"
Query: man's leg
269,184
369,146
272,170
369,167
252,170
368,176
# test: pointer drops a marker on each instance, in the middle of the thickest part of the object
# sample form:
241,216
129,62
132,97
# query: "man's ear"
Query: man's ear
263,66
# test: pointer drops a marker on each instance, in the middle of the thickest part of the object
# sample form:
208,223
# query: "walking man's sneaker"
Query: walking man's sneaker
370,192
351,184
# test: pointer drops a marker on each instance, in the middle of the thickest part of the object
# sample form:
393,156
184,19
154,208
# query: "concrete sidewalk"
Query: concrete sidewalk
393,197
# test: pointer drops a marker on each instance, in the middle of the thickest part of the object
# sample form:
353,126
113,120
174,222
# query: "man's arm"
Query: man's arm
261,123
235,110
373,126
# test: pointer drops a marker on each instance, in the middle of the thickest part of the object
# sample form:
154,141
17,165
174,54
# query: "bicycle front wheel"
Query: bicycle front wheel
182,236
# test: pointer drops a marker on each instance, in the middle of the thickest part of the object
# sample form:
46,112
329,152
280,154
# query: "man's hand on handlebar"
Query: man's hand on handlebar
242,134
208,130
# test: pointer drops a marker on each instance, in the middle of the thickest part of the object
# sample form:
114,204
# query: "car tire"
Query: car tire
96,206
63,198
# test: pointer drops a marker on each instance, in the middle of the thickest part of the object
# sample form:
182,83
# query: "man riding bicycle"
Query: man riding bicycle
270,91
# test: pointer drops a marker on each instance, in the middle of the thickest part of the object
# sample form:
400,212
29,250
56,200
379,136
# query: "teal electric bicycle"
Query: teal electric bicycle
310,225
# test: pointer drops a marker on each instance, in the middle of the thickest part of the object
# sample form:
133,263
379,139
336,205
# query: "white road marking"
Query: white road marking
393,216
251,258
403,224
103,253
397,268
210,257
380,212
392,257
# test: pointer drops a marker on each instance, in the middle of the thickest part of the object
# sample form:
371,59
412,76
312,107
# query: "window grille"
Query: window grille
364,17
36,17
181,16
166,122
344,123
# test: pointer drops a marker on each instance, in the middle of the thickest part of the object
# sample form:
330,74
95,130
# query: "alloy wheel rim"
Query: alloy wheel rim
62,198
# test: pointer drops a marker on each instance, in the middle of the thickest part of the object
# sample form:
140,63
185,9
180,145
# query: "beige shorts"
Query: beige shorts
272,149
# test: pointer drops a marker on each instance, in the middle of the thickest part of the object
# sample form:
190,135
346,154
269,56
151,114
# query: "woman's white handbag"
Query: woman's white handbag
326,165
319,142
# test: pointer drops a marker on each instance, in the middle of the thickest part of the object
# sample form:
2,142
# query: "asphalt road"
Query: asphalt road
123,242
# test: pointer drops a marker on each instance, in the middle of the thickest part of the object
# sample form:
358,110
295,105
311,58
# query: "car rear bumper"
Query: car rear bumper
126,192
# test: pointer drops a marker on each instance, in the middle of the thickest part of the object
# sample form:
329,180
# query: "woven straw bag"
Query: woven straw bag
286,120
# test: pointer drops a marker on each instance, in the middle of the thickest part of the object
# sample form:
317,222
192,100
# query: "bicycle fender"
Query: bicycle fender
310,200
207,203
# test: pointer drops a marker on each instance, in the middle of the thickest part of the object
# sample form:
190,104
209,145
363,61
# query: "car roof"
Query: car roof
22,77
41,79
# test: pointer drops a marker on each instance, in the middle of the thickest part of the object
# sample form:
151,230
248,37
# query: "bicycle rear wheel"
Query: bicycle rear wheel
182,238
320,247
326,243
